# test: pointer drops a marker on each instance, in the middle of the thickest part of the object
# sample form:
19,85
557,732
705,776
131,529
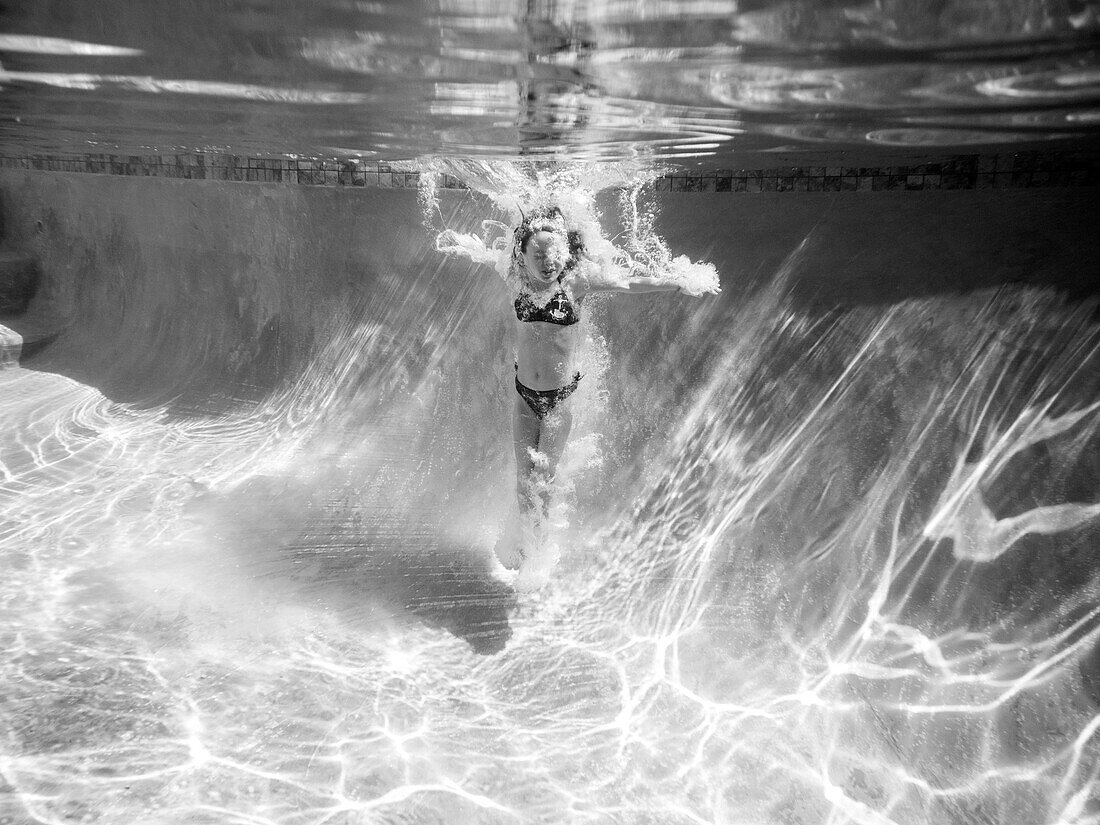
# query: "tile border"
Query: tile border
1019,170
224,167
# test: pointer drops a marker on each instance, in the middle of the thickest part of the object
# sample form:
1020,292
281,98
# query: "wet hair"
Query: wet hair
549,219
545,219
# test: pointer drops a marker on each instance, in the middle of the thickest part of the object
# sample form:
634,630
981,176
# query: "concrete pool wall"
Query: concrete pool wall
155,289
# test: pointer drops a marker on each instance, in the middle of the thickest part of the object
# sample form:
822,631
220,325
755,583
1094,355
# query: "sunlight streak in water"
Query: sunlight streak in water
155,85
59,45
854,585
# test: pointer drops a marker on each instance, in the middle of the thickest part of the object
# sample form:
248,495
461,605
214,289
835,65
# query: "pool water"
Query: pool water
823,543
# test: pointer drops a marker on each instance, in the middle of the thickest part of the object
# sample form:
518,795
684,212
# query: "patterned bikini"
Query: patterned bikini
561,311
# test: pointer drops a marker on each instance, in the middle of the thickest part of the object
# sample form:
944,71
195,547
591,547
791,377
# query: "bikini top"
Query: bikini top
560,310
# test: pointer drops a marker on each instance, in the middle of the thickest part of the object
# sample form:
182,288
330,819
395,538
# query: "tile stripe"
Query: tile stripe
1016,171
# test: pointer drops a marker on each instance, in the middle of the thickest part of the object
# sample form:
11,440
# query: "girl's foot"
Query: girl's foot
509,546
509,554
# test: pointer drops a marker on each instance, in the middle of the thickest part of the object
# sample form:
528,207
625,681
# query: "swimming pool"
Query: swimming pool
826,539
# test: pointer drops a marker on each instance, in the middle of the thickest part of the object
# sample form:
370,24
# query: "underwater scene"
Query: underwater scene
819,549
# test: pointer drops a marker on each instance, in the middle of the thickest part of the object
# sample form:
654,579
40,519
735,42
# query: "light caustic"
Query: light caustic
855,586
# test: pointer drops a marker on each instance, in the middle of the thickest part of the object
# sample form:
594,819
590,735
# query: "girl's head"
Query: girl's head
544,257
544,248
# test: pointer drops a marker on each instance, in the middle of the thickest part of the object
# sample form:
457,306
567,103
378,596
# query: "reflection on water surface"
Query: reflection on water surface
610,79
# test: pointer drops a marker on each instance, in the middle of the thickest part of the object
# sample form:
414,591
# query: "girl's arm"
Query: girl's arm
612,273
616,278
635,284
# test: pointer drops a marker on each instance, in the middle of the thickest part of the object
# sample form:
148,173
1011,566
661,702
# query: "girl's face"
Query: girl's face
545,257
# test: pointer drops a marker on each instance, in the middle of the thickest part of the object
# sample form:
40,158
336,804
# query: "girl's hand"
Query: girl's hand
709,289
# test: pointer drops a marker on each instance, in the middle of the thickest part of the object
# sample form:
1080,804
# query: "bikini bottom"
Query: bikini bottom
542,401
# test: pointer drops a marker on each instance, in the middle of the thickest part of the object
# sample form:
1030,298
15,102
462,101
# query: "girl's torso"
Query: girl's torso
547,334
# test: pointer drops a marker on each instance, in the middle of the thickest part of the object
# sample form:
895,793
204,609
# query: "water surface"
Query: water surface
683,80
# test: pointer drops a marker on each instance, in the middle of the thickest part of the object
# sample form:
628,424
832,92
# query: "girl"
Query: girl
552,274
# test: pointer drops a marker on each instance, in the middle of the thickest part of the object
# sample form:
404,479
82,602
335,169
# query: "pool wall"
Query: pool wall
195,292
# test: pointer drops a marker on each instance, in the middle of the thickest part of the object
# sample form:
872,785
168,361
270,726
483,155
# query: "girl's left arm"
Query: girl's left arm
641,283
614,278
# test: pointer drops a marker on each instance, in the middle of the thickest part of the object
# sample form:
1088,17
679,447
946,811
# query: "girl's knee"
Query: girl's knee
559,422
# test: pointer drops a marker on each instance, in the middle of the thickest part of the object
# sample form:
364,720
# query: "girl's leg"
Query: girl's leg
525,439
553,437
526,428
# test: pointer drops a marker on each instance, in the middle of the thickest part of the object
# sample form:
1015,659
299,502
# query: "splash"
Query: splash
519,189
567,194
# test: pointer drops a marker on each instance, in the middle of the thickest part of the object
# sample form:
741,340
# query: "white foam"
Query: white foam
519,189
